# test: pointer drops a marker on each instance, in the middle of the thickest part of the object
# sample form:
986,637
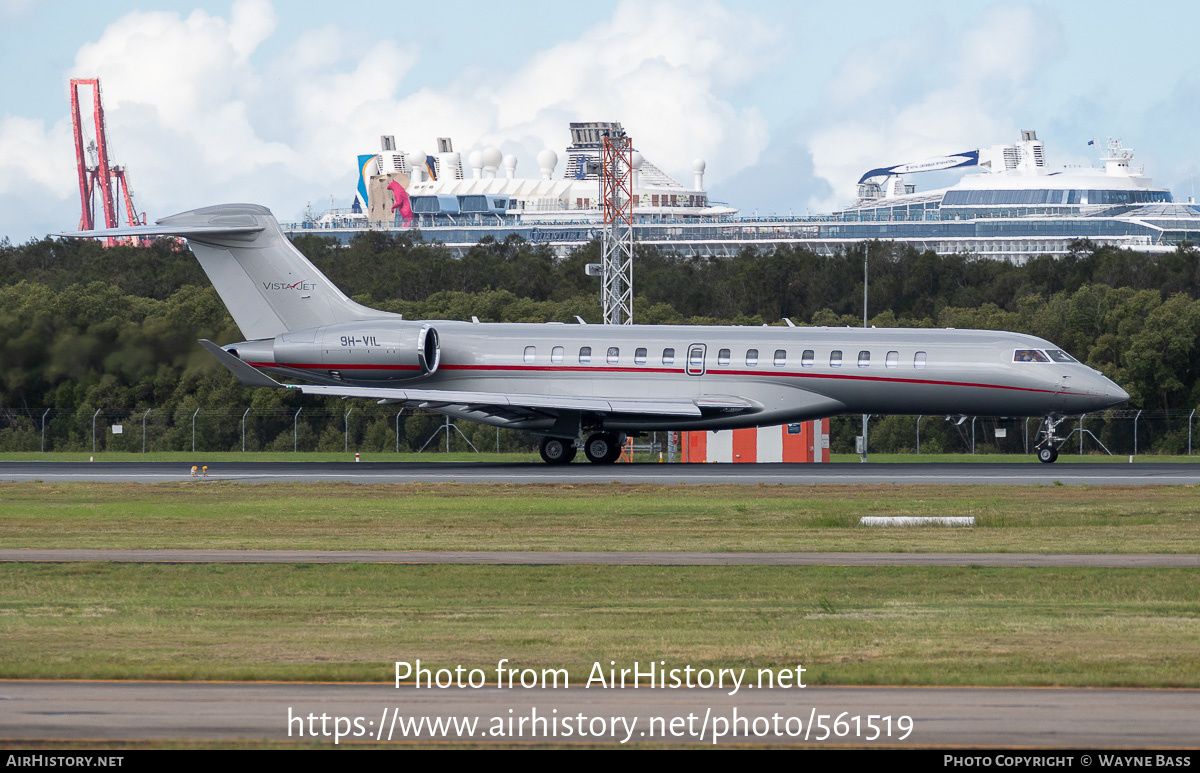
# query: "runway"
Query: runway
608,558
974,717
1014,474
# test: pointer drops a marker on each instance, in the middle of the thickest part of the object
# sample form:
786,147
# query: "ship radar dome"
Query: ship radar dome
492,157
698,165
547,159
636,160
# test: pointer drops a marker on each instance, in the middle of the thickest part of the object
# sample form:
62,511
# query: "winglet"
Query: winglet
247,374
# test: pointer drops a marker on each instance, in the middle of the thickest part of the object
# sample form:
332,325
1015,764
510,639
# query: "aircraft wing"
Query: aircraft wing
438,397
251,376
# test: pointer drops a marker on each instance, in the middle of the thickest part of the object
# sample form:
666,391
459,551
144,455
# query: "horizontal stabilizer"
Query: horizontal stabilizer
183,231
247,374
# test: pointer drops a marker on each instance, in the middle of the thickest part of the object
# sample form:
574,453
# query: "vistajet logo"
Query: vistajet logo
301,285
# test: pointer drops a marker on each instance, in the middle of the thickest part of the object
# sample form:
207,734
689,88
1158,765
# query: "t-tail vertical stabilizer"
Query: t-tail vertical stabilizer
268,286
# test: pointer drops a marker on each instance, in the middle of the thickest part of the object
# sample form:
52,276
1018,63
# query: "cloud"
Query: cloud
39,189
33,156
663,70
198,114
659,68
916,96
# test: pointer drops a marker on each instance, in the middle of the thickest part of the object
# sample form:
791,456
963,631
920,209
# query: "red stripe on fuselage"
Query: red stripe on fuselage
601,369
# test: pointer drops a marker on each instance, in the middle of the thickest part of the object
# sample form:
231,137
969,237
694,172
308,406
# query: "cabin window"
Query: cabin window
614,354
668,356
696,357
893,360
864,359
585,354
1030,355
835,358
752,357
556,354
780,358
723,357
639,356
919,360
807,358
530,353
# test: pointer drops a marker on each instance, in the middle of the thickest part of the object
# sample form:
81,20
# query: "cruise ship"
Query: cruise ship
1009,205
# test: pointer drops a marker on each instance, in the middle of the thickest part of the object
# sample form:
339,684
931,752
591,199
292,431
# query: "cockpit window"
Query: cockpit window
1030,355
1058,355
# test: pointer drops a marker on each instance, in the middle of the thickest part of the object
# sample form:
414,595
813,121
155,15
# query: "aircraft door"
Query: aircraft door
695,359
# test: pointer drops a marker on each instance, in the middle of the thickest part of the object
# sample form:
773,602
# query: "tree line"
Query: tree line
84,327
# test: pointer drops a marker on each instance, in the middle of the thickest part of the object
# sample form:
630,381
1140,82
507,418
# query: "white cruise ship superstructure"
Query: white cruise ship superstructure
1014,207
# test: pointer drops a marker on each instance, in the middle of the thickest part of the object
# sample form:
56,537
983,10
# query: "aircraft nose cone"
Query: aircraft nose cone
1108,391
1087,392
1117,394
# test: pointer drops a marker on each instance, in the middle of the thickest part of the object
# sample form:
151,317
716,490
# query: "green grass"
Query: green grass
449,516
947,626
1066,455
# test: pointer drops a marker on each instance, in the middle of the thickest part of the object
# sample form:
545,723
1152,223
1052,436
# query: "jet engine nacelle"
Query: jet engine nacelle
387,350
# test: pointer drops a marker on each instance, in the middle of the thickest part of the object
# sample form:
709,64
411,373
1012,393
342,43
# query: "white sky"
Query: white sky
788,102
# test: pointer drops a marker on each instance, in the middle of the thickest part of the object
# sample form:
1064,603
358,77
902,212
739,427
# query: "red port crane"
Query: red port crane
111,180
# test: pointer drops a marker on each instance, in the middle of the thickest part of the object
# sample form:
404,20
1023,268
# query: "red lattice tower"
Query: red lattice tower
109,180
616,195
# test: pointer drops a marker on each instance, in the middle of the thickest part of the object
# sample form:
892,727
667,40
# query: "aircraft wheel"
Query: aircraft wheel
1047,455
602,448
555,450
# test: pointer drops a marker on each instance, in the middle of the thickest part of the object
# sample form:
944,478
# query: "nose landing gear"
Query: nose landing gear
1048,442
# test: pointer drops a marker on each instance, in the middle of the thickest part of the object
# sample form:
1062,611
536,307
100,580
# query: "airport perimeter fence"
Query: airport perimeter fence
1122,432
370,428
376,428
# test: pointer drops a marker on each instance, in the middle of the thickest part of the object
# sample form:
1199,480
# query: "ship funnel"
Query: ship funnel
416,165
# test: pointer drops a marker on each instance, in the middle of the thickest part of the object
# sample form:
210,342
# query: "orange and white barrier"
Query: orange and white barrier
806,441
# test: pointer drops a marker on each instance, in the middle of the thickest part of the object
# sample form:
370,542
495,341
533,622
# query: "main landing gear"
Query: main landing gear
1048,442
600,448
555,450
603,447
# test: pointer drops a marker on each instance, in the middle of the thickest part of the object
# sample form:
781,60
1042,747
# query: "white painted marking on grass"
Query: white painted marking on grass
917,520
